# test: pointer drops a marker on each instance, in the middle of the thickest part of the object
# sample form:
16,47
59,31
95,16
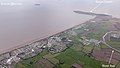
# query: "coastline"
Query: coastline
38,39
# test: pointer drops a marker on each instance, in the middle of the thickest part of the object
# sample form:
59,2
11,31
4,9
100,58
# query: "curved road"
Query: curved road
104,41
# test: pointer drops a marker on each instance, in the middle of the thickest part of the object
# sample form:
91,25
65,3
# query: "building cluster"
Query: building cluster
113,36
86,41
27,51
53,44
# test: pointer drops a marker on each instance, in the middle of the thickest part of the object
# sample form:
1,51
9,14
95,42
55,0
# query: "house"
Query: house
94,41
115,35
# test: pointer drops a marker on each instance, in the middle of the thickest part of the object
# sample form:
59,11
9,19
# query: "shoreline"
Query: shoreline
38,39
94,15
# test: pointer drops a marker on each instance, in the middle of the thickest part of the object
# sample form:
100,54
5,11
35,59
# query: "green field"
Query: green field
74,54
68,57
114,43
71,56
30,62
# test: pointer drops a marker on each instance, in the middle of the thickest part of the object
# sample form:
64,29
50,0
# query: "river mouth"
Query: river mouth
26,20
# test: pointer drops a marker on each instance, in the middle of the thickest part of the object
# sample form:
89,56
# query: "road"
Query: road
104,41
